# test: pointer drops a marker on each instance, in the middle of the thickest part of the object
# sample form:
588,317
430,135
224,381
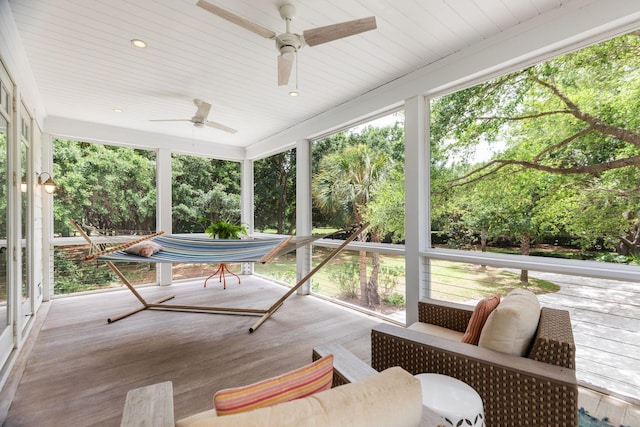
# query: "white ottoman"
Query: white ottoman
456,402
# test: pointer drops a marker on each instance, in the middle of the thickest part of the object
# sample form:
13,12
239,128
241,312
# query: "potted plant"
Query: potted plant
224,230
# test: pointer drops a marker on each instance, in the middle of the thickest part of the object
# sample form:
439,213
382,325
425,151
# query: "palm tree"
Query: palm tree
344,186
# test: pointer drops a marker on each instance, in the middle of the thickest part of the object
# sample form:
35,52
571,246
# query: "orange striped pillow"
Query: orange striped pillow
302,382
480,314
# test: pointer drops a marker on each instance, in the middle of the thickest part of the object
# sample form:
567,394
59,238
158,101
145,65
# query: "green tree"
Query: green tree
345,183
107,187
573,117
204,187
275,192
385,211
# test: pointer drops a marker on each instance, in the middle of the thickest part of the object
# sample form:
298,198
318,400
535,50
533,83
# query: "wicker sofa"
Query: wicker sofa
539,390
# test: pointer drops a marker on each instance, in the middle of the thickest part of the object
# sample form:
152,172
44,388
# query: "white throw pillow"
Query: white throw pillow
513,324
146,248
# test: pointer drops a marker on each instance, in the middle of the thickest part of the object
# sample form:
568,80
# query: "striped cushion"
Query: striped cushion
302,382
480,314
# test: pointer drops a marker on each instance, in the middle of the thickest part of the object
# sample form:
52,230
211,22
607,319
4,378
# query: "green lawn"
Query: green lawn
450,281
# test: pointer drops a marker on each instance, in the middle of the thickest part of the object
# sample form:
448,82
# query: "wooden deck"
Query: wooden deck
81,368
77,369
605,315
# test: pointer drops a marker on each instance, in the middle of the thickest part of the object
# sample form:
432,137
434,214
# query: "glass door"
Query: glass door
7,336
26,218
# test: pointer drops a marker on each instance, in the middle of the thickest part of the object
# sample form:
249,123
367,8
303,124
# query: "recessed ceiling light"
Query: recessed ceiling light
138,43
117,110
294,93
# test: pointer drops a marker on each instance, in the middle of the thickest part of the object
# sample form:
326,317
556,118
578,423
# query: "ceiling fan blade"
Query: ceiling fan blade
203,109
333,32
220,126
285,64
171,120
238,20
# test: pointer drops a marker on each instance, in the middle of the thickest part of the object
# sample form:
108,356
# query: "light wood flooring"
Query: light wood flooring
77,369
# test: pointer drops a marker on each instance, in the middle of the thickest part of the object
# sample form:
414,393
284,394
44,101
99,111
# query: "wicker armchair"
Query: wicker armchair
539,390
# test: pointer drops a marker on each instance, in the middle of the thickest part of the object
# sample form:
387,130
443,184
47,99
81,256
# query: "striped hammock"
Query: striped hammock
175,248
200,249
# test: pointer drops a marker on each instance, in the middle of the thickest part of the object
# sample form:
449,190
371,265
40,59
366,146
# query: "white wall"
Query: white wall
25,92
15,60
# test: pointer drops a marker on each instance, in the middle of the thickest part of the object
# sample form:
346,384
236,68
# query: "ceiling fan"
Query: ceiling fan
289,43
200,119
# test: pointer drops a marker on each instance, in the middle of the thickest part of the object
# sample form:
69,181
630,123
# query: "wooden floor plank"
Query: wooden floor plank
81,367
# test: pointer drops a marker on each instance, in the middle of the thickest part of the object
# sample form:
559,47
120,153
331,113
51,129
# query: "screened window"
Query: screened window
543,161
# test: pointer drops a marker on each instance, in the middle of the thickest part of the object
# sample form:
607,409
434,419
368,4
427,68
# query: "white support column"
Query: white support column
47,220
246,203
303,211
163,208
417,229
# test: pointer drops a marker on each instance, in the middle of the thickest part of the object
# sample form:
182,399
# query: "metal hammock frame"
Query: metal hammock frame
158,304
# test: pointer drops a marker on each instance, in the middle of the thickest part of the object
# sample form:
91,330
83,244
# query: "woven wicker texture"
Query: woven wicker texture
451,316
553,343
512,395
347,367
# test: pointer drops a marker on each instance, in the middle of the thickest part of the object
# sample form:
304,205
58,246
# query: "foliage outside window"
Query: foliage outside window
275,193
204,188
106,187
543,161
358,177
204,191
3,215
113,190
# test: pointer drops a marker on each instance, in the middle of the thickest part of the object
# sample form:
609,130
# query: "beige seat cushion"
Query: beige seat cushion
427,328
513,324
197,418
392,398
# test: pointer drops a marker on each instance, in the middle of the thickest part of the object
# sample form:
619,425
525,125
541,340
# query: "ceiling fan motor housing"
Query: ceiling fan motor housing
289,40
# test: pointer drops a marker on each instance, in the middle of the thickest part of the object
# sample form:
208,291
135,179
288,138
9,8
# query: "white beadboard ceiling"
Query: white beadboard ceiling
85,66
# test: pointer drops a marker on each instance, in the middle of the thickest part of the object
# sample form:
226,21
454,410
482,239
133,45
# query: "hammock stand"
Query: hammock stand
158,304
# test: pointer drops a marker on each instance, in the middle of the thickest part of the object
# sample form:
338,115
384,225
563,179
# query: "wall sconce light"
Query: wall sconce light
23,186
48,184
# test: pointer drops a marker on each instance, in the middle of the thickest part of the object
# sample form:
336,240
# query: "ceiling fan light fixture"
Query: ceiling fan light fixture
117,110
294,93
289,43
139,43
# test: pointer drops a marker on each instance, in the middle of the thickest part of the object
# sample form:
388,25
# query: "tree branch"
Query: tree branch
606,129
586,169
600,167
562,143
461,181
530,116
623,193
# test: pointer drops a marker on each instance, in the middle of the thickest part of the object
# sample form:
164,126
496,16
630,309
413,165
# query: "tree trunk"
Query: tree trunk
483,242
282,201
525,247
630,243
362,263
373,298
